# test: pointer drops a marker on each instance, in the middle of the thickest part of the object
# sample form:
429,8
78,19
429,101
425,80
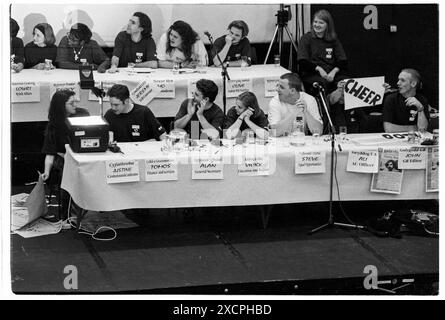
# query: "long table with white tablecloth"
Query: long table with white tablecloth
31,90
86,176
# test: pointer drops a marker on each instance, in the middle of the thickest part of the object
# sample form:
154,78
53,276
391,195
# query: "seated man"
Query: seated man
234,45
200,114
290,103
406,109
135,45
131,122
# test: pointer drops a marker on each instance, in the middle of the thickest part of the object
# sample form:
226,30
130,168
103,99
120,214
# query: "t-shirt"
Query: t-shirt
396,112
214,115
56,138
128,51
259,118
139,124
320,52
278,110
90,51
35,54
17,49
236,51
199,52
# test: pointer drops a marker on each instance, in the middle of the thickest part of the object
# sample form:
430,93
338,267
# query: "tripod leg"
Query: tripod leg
291,39
271,44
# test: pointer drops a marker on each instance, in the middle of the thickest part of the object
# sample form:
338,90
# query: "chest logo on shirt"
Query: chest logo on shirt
329,53
135,130
413,114
139,56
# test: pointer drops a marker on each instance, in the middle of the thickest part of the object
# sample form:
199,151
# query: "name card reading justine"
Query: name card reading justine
122,171
207,168
57,86
191,87
310,162
363,161
144,92
363,92
270,86
25,92
238,86
412,158
161,169
254,164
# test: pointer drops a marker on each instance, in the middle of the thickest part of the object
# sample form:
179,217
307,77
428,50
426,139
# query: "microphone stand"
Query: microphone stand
224,73
330,222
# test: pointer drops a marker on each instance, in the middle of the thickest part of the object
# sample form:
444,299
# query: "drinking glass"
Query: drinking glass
343,130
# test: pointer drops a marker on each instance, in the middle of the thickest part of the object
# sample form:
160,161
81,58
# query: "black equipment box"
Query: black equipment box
88,134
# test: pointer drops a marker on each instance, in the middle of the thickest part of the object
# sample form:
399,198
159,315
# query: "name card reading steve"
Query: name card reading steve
270,86
238,86
166,87
363,92
310,162
412,158
122,171
25,92
161,169
363,161
207,168
144,92
191,87
57,86
254,164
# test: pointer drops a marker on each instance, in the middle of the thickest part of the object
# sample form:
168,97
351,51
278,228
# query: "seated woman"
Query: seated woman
17,50
321,57
181,44
78,45
246,115
41,48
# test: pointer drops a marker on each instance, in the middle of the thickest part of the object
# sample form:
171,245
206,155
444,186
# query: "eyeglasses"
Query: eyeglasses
71,37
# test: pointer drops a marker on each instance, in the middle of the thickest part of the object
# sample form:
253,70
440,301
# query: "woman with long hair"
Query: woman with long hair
246,114
41,48
181,44
321,57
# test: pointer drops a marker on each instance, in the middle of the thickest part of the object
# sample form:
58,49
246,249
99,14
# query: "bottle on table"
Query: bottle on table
297,138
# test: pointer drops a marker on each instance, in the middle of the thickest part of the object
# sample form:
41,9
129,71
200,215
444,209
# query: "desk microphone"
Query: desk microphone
208,35
318,86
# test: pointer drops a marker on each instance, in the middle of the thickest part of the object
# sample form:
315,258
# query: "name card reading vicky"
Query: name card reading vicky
270,86
161,169
25,92
191,87
144,92
238,86
57,86
166,87
207,168
255,164
363,161
310,162
122,171
412,158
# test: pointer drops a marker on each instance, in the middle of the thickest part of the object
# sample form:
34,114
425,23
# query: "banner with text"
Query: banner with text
363,92
25,92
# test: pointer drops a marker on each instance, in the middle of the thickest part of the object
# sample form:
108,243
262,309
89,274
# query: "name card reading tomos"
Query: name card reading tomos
412,158
238,86
254,165
363,161
57,86
166,87
191,87
310,162
270,86
363,92
161,169
144,92
122,171
207,168
25,92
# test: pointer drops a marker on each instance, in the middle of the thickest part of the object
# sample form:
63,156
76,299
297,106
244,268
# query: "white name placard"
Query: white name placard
413,158
25,92
57,86
254,164
310,162
270,86
191,87
161,169
166,87
363,161
119,171
207,168
144,92
238,86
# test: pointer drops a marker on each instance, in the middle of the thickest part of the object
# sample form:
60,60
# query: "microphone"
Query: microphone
316,85
208,35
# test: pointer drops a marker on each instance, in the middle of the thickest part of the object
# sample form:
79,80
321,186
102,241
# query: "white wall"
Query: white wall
106,20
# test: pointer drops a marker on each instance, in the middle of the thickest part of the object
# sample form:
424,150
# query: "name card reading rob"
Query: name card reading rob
166,87
57,86
161,169
207,168
270,86
25,92
363,92
238,86
363,161
412,158
254,164
122,171
310,162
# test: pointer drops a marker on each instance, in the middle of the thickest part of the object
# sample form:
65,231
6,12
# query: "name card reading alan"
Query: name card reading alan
238,86
270,86
25,92
57,86
363,92
254,165
207,169
310,162
122,171
363,161
166,87
161,169
412,158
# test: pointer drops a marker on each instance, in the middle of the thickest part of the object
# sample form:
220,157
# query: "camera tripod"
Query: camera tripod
283,16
